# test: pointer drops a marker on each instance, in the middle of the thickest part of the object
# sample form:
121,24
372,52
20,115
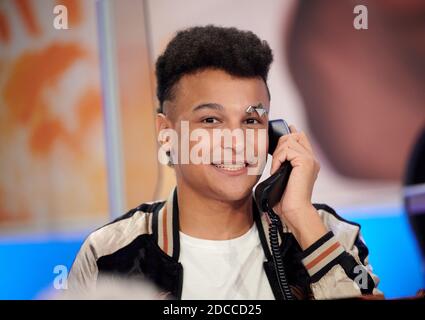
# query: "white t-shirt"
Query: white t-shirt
224,269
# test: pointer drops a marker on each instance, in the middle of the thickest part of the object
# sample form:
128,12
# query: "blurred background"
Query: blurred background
77,106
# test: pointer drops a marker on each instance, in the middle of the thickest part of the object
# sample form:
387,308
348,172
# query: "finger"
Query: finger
277,160
287,152
287,137
300,138
304,141
294,140
293,129
295,145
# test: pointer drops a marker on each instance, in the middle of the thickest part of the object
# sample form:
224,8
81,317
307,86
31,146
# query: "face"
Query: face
213,101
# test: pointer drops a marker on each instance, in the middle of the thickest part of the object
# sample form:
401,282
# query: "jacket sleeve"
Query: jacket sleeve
338,262
84,271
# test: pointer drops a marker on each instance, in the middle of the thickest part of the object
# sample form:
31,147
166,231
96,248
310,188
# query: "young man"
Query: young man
208,240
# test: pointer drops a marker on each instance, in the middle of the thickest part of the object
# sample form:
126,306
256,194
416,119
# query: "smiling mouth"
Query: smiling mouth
230,167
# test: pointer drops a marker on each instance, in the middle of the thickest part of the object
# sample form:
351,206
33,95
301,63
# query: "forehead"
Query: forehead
217,86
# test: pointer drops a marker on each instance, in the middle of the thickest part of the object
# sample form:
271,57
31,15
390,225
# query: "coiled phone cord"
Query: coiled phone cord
277,257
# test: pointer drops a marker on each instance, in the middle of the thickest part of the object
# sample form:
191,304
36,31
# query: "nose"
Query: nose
237,147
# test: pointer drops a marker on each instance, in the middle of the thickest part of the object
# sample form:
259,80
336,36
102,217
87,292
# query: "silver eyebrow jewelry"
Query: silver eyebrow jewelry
259,109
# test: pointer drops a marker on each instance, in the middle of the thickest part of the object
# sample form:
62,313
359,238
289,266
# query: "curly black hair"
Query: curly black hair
239,53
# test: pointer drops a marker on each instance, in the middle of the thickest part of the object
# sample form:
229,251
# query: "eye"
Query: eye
252,121
209,120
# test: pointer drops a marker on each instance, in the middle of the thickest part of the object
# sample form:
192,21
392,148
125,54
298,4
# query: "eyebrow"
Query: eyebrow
214,106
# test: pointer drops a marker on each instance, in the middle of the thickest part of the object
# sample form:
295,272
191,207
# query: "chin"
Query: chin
231,190
233,185
230,194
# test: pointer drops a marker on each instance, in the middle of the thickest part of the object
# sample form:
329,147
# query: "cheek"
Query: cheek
188,173
256,146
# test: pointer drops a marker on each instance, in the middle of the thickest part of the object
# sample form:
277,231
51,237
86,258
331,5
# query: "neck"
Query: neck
212,219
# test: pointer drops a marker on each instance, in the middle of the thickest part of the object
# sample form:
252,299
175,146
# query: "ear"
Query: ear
161,123
163,137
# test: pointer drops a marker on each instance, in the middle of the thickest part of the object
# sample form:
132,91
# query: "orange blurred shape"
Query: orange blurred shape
25,10
31,73
74,11
45,134
89,109
4,28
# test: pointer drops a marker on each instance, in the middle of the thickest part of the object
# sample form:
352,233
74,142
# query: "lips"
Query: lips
231,169
230,166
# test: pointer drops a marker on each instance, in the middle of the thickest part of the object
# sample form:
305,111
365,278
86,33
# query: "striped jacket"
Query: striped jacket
144,243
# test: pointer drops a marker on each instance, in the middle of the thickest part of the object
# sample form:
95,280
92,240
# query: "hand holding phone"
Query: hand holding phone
297,179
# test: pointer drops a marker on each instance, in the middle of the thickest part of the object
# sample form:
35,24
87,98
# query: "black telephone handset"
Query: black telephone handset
267,194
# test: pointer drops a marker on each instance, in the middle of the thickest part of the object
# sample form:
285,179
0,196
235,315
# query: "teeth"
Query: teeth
230,167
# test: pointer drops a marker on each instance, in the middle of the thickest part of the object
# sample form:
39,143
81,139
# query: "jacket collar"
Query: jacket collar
167,227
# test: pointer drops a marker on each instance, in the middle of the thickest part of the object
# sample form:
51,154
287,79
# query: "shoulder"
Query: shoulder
109,239
123,230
